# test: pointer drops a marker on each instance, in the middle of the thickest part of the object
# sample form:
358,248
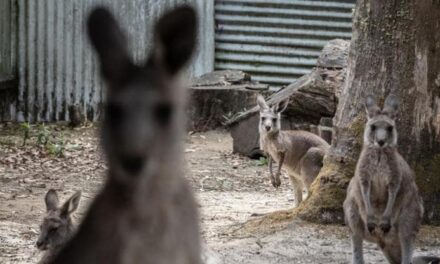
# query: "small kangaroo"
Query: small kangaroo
383,204
146,212
300,152
57,226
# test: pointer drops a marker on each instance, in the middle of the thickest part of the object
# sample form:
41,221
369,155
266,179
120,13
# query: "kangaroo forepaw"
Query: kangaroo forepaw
276,181
385,225
371,227
272,180
371,224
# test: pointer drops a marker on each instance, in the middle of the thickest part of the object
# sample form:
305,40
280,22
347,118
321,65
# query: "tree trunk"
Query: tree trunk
216,95
395,49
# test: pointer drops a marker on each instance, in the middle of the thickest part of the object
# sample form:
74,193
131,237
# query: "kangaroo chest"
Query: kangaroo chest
380,175
273,145
273,149
278,147
157,231
148,230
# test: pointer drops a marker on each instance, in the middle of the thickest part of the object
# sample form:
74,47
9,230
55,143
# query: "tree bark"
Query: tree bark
395,48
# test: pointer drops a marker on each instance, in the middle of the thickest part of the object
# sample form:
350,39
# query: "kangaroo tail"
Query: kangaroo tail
426,260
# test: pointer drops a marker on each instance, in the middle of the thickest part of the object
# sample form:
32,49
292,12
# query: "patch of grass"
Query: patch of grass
267,224
57,148
26,130
263,161
43,134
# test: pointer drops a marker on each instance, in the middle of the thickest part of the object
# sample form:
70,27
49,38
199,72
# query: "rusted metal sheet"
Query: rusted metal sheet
55,65
277,41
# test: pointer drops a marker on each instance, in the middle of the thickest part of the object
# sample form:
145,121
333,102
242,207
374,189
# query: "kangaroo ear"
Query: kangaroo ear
262,103
391,106
51,200
281,106
110,43
175,39
71,204
371,107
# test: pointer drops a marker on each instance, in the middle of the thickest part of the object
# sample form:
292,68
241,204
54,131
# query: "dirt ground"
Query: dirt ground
233,192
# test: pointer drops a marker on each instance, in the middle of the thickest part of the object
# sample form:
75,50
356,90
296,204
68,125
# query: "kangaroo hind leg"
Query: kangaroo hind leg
311,165
298,187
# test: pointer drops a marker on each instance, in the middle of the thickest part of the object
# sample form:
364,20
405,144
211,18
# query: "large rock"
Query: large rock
313,99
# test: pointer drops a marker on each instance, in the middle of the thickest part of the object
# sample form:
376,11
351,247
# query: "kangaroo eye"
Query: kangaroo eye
162,113
274,120
115,112
390,129
373,128
263,119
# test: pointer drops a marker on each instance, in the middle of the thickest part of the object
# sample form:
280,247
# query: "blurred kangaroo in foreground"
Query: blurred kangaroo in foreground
146,212
383,204
300,152
57,226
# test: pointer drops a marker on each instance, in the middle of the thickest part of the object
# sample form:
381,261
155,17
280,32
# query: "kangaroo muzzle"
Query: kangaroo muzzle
381,137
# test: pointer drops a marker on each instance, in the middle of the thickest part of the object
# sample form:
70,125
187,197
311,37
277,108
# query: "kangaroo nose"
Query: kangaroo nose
133,164
267,128
39,243
381,142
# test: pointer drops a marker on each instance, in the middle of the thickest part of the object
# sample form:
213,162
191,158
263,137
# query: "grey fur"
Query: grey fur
383,204
146,212
57,226
300,152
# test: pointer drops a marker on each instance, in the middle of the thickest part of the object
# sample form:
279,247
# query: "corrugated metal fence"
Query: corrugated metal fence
7,41
56,67
8,58
277,41
43,46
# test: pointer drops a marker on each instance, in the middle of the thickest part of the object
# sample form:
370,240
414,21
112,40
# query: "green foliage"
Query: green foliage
262,161
54,143
57,147
26,128
43,134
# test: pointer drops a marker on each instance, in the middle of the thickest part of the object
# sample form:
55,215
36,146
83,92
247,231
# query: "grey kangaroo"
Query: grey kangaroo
300,152
146,212
57,226
383,204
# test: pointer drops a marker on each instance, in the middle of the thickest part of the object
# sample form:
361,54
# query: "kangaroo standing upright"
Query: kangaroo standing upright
57,226
300,152
383,204
146,212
